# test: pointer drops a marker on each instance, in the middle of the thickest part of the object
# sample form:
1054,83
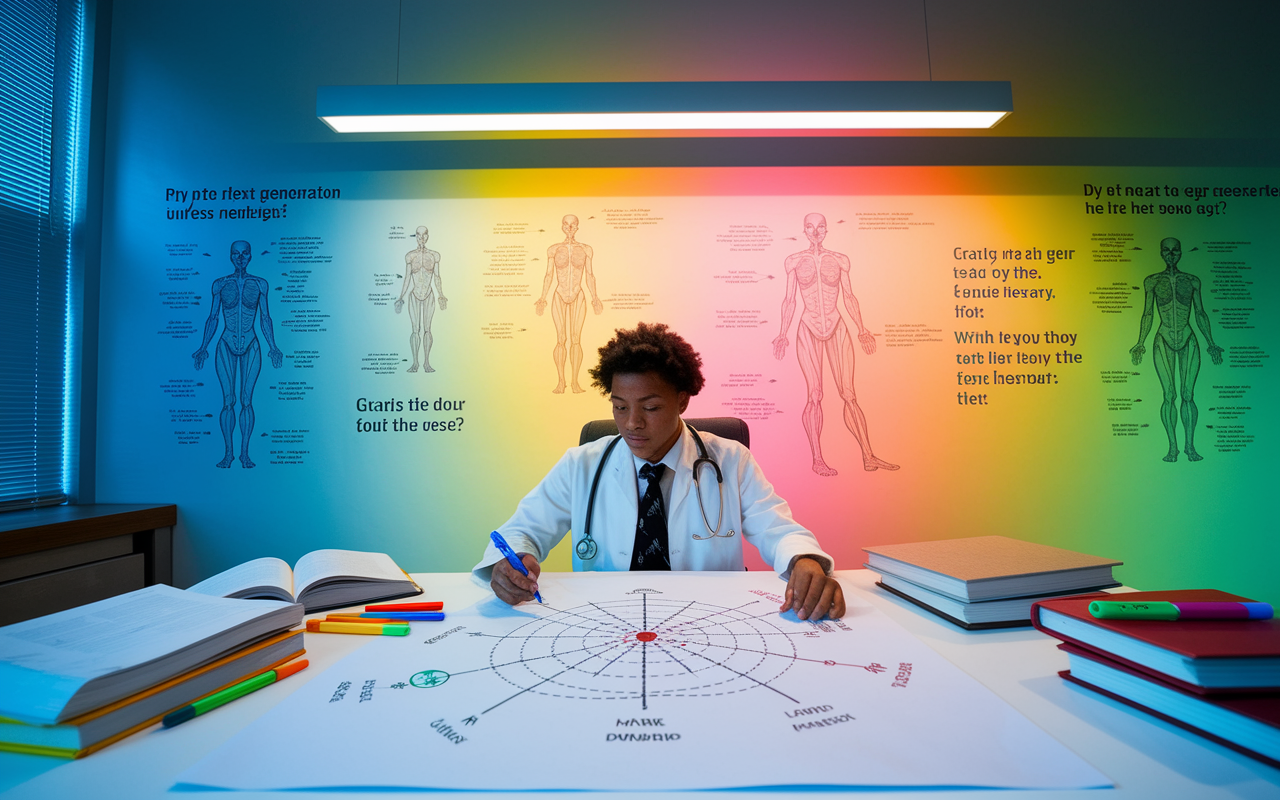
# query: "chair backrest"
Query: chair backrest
724,427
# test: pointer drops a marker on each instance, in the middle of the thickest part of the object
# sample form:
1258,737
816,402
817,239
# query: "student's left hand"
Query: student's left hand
811,593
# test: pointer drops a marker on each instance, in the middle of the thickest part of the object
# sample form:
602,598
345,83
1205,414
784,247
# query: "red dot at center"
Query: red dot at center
646,636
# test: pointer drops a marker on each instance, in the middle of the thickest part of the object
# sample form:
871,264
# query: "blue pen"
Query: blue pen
512,558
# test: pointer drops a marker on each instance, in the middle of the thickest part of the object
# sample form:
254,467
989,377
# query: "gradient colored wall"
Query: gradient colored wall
1077,462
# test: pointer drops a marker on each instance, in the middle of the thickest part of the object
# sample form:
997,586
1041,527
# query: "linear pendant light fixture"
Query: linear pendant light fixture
759,106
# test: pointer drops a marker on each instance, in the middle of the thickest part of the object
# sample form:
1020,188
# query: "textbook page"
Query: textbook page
267,571
45,662
694,680
319,565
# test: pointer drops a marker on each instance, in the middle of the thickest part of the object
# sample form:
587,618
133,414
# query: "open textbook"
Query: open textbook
321,579
62,665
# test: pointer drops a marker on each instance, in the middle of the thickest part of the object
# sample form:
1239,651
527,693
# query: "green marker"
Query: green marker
1214,610
233,692
1114,609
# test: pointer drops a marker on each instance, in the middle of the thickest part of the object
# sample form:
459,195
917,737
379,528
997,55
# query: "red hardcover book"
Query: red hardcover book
1201,656
1248,723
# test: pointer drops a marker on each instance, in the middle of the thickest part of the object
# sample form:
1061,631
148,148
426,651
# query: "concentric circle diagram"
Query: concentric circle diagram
647,647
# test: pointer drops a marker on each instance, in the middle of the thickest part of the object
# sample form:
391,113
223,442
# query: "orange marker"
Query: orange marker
291,668
432,606
321,626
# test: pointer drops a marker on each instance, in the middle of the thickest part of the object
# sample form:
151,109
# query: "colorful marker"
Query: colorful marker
414,616
435,605
360,619
207,704
322,626
1159,610
511,557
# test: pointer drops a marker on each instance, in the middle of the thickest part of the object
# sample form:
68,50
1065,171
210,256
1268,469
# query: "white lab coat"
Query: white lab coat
558,504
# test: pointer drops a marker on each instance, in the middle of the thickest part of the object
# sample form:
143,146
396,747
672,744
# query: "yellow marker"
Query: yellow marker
321,626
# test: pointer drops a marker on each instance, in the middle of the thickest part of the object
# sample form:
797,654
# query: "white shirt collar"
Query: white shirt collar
671,459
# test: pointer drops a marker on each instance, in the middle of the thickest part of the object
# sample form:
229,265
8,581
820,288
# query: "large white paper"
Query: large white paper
644,681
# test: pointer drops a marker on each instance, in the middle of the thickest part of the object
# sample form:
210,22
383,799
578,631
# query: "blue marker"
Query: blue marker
512,558
407,616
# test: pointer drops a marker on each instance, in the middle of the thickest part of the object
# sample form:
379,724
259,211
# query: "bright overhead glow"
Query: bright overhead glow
682,121
759,106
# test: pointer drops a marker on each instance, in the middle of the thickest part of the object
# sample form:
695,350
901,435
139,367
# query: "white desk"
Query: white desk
1146,758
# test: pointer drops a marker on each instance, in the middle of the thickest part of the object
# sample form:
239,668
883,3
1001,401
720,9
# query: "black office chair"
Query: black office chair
724,427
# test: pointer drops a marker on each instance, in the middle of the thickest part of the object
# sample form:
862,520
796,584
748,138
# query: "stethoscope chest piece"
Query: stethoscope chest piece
586,549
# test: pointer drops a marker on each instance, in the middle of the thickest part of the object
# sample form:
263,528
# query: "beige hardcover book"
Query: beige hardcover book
992,567
57,667
95,730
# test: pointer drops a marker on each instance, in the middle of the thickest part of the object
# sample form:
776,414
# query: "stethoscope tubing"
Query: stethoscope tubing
586,547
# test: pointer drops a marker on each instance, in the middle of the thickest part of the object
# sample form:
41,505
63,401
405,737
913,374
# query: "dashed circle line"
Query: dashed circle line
696,632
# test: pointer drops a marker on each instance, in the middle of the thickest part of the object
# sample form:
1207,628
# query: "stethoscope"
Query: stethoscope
586,546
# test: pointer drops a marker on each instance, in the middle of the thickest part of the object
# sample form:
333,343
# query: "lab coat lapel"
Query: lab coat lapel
624,505
682,515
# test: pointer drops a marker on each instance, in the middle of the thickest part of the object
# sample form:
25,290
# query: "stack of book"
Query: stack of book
986,581
1217,678
78,680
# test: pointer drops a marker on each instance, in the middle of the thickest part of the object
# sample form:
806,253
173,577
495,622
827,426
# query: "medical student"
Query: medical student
649,512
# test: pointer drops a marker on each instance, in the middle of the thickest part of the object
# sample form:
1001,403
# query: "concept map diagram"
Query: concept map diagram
647,647
694,679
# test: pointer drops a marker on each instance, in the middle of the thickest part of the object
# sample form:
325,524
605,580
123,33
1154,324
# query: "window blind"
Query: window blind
41,80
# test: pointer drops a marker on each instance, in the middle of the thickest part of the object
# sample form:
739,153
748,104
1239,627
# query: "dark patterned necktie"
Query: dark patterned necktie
650,550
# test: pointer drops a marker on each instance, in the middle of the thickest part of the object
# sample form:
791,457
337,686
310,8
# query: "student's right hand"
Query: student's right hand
510,586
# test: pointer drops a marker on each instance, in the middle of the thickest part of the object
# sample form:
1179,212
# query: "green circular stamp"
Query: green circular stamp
429,678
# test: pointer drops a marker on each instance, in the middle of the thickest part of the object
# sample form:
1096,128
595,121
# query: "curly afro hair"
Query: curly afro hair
649,348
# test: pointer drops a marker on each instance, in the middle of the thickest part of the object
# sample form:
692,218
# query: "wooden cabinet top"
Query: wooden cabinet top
36,529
